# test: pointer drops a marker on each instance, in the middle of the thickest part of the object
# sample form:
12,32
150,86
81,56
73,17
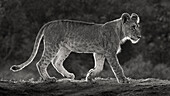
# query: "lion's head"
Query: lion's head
130,27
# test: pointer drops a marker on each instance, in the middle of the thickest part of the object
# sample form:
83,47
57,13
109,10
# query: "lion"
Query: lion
61,37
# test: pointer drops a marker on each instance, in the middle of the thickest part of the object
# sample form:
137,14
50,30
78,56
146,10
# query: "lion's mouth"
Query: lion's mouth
136,38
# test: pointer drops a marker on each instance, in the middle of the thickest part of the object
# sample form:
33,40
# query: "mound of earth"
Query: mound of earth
97,87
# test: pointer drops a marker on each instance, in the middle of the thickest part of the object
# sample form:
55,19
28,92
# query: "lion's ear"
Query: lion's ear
135,17
125,17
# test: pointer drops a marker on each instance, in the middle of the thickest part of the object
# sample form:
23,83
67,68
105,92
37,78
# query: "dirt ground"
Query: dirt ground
97,87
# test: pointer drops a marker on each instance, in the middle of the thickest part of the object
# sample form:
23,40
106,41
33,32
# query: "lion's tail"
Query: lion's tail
16,68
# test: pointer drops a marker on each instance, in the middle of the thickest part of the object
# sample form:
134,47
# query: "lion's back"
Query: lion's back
74,34
73,30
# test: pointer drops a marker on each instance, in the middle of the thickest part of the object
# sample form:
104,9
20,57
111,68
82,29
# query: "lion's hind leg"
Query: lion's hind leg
42,65
62,54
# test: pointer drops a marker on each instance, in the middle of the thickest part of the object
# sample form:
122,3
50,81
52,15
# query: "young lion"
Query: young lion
62,37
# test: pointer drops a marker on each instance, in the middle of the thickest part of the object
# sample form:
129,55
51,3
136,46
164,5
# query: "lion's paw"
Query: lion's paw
124,80
90,75
51,79
71,76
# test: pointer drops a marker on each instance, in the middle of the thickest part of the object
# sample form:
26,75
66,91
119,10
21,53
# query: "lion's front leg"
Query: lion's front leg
117,69
99,62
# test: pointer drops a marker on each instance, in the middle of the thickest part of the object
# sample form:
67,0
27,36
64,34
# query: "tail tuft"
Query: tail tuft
15,68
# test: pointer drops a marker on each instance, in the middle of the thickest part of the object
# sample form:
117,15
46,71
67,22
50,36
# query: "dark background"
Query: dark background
20,21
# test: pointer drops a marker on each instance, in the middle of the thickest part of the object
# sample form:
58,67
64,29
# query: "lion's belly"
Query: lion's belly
84,47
